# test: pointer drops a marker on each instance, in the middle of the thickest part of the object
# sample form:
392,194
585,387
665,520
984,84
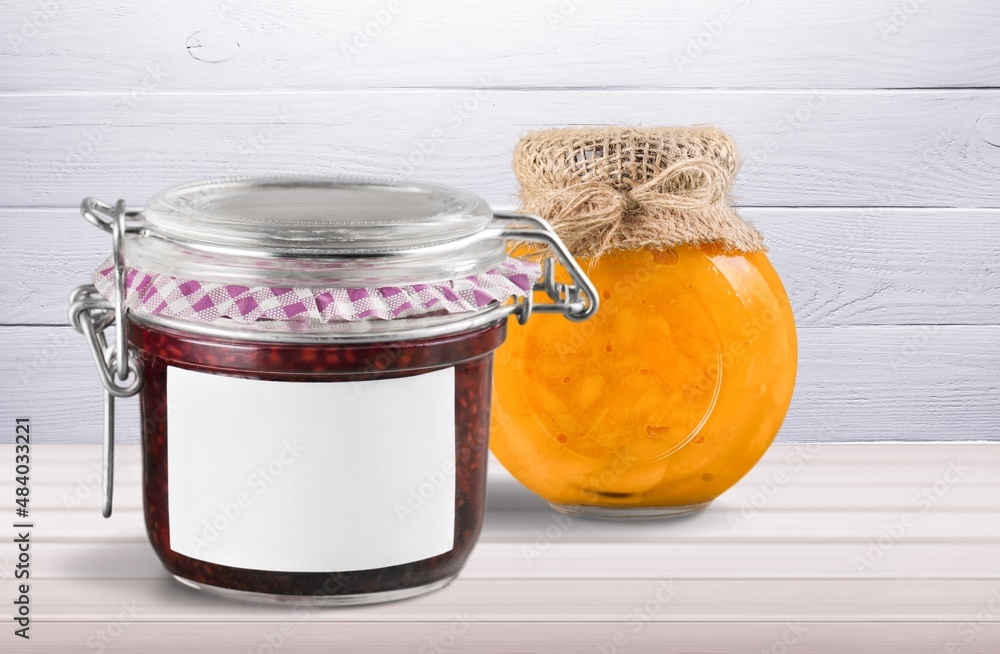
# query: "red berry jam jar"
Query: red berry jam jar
313,362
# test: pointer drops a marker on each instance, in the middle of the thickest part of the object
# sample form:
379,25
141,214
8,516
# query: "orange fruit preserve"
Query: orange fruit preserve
661,401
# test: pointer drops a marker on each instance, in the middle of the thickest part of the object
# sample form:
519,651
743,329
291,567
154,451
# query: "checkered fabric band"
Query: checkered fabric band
156,294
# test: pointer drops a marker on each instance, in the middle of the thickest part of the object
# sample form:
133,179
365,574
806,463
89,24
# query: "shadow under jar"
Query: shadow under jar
314,364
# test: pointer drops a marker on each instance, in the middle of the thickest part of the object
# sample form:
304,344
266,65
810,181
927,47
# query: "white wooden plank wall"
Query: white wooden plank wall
871,132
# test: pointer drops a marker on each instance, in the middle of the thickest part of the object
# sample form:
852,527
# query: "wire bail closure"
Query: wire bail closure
577,301
90,314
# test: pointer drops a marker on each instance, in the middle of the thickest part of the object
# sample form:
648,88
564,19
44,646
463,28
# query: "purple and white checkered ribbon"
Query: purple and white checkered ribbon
157,294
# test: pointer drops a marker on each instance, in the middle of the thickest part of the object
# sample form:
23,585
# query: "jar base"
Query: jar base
318,600
627,512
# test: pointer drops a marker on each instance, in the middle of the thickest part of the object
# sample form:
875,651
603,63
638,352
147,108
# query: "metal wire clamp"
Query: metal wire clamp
90,314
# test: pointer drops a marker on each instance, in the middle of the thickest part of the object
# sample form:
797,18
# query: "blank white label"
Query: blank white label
311,476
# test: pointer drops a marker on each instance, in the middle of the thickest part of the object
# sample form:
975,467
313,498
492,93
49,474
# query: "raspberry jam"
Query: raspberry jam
313,358
471,355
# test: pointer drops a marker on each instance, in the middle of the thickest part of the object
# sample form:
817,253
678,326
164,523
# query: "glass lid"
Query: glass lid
314,216
309,232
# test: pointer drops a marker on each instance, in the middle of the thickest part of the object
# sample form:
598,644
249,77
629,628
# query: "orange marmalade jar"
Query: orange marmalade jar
680,383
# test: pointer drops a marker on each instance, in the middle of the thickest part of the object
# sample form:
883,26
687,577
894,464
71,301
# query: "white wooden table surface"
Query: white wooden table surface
822,548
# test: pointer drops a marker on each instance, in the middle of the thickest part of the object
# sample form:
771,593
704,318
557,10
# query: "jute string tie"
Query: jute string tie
606,189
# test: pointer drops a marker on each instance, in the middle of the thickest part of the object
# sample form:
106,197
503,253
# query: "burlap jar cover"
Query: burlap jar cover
628,188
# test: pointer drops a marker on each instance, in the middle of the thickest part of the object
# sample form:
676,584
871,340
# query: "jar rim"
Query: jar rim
408,329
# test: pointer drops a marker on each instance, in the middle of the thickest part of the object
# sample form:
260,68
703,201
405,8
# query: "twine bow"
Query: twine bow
605,208
632,188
